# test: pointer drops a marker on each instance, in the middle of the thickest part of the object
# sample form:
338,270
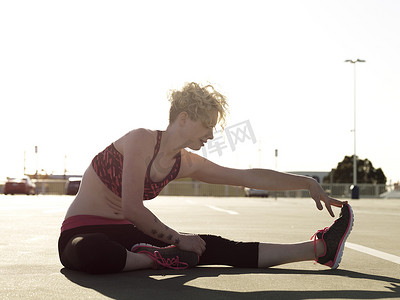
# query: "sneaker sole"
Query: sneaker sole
339,253
134,247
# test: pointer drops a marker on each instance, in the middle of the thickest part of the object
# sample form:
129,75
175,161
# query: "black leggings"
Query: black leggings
102,248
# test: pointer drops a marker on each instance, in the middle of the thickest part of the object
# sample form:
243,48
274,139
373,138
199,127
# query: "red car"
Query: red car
19,186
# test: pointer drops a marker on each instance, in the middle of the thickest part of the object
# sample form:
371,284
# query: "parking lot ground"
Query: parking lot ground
370,268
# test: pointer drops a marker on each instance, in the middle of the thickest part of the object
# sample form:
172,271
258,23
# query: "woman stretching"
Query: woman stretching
108,229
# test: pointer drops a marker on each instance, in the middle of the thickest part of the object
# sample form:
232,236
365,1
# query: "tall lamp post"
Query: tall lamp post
355,191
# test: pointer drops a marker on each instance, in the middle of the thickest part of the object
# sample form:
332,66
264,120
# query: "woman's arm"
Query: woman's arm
207,171
264,179
272,180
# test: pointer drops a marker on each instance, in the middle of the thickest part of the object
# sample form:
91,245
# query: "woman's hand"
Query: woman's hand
191,242
318,194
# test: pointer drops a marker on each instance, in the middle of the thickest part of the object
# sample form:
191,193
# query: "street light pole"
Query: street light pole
355,191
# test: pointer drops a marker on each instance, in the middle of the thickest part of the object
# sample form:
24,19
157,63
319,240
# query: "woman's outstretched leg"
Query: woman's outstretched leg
277,254
326,248
268,255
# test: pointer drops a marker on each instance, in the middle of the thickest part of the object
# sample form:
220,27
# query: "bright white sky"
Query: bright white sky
76,75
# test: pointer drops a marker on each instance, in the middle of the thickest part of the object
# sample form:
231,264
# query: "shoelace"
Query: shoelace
171,263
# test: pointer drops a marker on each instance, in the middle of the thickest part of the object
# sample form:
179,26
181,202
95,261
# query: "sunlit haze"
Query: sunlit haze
76,75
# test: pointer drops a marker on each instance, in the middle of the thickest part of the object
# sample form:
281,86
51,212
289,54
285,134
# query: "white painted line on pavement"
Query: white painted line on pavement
373,252
231,212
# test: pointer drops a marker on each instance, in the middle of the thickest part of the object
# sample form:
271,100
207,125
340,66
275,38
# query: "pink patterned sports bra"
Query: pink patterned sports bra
108,165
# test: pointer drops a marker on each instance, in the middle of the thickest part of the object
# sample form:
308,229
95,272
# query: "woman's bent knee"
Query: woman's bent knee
94,253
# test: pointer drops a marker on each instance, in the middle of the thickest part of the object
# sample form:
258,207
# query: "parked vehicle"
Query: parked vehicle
72,186
255,193
22,185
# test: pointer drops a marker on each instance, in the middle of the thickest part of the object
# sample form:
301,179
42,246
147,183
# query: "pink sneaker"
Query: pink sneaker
169,257
334,238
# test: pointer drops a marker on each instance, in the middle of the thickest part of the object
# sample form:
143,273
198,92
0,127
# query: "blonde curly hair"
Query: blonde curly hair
198,101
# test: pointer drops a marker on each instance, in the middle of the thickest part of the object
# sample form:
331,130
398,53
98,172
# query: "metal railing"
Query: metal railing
197,188
340,190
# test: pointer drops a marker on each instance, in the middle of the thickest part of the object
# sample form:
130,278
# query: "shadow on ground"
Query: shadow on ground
143,285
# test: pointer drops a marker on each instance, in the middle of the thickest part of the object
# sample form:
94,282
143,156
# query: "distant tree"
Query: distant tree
38,176
366,173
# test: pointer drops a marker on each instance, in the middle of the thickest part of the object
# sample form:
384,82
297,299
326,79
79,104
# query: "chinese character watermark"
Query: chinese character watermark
234,134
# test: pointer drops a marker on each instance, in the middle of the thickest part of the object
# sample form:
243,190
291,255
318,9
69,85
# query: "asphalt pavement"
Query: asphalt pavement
370,267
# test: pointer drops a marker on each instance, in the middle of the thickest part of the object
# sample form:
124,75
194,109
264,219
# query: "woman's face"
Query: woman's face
199,131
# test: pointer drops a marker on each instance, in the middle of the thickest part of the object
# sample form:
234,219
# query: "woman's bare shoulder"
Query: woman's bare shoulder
190,162
140,137
142,133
